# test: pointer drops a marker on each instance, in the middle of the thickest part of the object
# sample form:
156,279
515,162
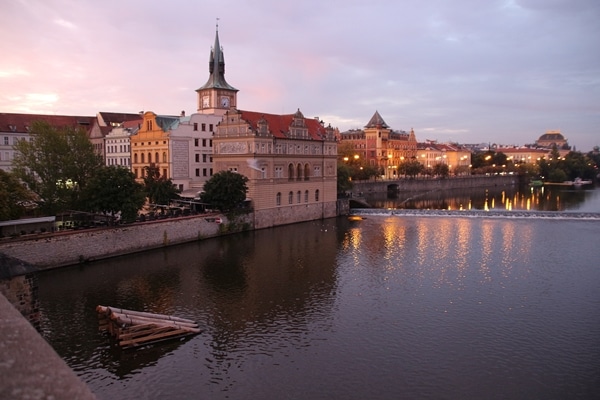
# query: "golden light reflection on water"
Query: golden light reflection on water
445,250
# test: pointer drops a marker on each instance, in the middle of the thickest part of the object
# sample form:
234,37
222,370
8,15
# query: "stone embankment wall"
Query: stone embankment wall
424,185
69,248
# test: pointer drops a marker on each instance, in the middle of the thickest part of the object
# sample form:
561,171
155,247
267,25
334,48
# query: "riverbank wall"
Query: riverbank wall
427,184
51,250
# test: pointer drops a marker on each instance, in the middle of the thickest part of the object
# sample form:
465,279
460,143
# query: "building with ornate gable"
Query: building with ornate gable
380,146
290,160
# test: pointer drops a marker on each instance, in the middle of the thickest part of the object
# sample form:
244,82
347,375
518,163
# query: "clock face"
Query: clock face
205,102
224,101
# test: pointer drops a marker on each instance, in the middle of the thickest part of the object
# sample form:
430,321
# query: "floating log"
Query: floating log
135,328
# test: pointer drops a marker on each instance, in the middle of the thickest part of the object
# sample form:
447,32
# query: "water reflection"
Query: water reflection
546,198
385,307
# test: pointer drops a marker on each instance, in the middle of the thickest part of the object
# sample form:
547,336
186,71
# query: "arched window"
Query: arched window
291,172
317,195
278,198
156,157
142,155
150,158
306,172
306,196
165,157
135,159
290,197
299,172
299,197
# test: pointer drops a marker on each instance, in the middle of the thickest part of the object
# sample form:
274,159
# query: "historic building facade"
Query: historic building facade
15,127
290,161
380,146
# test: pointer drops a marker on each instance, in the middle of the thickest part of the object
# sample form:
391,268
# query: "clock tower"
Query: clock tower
216,96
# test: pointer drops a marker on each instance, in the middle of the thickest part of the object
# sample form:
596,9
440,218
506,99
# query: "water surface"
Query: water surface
388,307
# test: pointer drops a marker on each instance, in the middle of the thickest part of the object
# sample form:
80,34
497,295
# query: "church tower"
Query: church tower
216,96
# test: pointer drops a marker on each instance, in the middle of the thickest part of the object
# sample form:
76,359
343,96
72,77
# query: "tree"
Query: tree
441,170
159,189
344,180
225,190
56,165
113,189
411,168
13,196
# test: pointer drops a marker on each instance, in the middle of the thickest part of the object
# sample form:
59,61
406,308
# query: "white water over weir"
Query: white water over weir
478,213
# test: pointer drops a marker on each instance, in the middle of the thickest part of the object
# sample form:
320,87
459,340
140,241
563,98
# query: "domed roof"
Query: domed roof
552,136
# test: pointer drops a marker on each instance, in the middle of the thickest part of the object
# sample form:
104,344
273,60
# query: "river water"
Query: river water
388,307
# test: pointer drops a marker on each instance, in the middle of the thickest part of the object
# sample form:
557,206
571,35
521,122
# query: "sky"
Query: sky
468,71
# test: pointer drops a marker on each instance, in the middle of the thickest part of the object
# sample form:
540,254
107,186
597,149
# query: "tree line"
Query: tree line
58,170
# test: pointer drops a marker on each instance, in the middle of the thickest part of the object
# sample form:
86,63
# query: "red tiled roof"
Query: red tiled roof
133,123
279,124
21,122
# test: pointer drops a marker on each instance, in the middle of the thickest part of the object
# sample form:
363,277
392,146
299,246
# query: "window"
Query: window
156,157
195,126
203,142
165,173
6,140
203,157
298,197
291,172
197,171
317,195
290,197
150,158
203,127
306,196
278,172
143,159
197,157
135,158
135,173
204,172
278,198
196,141
164,157
210,127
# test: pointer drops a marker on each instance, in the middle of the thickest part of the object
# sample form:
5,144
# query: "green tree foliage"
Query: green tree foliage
411,168
56,165
574,165
344,179
441,170
225,190
159,189
112,190
13,196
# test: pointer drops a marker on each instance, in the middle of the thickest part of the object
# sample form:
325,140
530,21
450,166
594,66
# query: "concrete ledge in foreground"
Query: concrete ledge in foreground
29,366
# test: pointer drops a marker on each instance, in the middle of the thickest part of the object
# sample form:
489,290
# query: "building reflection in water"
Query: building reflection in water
508,198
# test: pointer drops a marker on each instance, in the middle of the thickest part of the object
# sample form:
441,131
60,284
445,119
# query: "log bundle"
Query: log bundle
137,328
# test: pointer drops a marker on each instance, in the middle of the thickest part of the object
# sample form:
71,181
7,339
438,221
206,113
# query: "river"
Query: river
388,307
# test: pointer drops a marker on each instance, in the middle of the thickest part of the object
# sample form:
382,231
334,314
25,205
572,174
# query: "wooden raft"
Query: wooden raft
137,328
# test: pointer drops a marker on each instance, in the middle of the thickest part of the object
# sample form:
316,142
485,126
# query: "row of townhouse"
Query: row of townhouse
290,160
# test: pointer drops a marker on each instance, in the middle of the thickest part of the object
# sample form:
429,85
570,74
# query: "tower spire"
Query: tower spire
216,67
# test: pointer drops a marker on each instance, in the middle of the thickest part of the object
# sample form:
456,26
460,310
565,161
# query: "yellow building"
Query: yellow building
150,146
457,158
